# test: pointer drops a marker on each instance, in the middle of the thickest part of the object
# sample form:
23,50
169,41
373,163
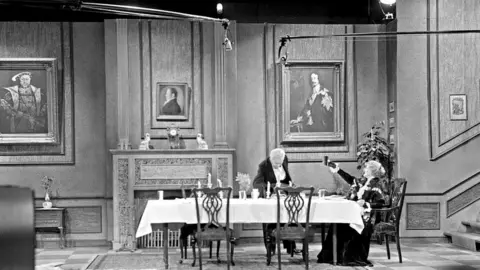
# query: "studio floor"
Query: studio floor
418,254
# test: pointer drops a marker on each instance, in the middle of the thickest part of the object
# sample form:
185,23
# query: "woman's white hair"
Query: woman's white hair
277,152
376,168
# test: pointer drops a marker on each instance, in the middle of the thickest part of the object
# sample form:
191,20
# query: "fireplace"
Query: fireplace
139,174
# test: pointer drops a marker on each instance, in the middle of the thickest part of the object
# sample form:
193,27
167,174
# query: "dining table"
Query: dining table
329,209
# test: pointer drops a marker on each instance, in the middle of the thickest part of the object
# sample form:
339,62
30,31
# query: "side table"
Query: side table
51,218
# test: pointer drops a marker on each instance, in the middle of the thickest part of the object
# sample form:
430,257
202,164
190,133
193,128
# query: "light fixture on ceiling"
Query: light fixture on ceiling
388,16
388,2
227,44
219,9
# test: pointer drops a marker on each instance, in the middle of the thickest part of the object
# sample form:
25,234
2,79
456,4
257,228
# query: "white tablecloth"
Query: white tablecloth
249,211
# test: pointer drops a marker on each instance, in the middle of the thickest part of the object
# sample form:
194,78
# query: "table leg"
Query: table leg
62,238
334,243
165,244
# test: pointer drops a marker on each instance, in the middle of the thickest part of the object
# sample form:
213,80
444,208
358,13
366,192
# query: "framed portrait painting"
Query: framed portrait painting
313,101
172,102
28,101
458,107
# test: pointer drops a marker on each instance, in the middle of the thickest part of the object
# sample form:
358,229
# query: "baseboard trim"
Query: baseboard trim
55,243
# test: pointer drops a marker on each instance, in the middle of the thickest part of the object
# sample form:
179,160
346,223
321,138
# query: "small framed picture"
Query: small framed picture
391,122
391,107
392,138
458,107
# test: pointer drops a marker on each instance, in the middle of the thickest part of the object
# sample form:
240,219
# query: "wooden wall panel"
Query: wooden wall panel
44,40
454,69
423,216
314,50
84,219
171,53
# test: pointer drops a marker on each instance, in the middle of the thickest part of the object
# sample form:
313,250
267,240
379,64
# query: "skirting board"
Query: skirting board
55,243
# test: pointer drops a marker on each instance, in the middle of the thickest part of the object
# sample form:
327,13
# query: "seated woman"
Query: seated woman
353,248
273,169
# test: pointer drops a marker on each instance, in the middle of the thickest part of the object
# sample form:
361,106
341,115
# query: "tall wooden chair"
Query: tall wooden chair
190,230
389,225
294,204
211,204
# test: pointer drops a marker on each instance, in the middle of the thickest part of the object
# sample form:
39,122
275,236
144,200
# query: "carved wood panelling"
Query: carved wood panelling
454,68
315,50
423,216
52,40
170,52
84,219
463,200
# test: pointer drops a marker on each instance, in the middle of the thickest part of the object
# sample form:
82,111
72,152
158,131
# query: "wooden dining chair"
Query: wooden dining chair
389,224
211,204
294,204
189,230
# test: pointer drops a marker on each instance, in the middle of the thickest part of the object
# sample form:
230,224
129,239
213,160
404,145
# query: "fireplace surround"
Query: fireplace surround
138,174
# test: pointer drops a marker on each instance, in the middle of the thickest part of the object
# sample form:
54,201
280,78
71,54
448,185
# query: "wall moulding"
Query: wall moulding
177,61
344,148
447,58
56,148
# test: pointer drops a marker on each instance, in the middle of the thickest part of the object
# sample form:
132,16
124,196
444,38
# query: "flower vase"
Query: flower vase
47,204
242,194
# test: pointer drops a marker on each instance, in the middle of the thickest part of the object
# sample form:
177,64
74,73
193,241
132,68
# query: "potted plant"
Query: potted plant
244,183
375,147
47,183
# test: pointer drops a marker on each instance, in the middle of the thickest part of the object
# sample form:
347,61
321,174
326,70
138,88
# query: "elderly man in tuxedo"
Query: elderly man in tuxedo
273,169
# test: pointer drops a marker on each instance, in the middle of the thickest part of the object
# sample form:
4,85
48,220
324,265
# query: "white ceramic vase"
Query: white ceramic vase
47,203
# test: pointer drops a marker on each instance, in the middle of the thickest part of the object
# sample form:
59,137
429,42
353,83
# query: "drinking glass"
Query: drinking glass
321,193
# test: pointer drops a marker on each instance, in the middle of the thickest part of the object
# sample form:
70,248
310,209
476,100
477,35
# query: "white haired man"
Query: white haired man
274,168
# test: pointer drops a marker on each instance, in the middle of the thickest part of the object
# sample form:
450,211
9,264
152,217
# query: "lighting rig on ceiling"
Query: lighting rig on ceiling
283,40
387,16
124,10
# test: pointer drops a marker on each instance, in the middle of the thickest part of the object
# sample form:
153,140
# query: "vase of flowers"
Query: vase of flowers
244,183
47,186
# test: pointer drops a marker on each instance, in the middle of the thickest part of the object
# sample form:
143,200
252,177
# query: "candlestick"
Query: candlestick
268,190
290,184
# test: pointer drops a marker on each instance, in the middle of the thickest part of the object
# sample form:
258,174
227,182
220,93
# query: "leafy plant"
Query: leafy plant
244,181
375,147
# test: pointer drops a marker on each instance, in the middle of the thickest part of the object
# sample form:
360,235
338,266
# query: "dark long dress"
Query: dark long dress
353,248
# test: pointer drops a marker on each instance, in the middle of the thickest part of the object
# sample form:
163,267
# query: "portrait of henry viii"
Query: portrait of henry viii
23,106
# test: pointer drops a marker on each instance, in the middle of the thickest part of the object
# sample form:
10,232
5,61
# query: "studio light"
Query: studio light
219,9
388,2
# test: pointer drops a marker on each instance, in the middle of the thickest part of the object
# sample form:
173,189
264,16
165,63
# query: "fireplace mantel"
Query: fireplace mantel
160,170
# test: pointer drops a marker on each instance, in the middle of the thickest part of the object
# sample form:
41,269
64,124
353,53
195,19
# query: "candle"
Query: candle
268,186
290,184
209,180
219,182
199,185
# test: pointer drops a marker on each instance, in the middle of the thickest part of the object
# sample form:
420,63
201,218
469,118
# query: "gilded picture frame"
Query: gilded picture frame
173,101
312,101
29,112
